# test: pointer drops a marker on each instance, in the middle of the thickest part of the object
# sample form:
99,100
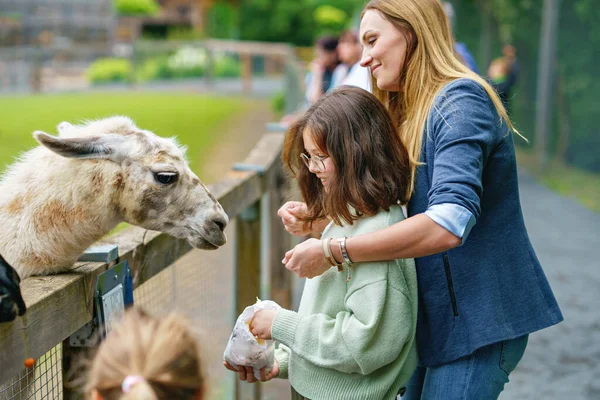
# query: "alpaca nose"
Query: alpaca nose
220,220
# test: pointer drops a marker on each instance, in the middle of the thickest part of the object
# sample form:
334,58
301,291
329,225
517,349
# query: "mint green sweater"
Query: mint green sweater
355,339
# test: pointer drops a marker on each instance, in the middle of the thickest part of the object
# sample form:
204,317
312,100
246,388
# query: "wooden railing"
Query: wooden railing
59,305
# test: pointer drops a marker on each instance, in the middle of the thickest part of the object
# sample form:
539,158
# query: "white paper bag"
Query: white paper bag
243,349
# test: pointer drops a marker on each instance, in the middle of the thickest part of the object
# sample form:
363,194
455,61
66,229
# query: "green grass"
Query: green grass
194,119
568,181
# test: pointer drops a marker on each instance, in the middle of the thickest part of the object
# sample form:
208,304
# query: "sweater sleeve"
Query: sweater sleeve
282,355
464,126
370,333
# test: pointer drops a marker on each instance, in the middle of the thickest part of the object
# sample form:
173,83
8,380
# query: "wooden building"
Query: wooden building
46,23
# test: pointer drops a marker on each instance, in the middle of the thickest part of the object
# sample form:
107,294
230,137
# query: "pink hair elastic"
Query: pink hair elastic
130,381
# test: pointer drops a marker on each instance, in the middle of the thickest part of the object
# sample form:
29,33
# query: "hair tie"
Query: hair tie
130,381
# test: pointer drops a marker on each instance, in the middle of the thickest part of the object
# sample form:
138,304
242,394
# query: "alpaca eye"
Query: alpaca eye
166,178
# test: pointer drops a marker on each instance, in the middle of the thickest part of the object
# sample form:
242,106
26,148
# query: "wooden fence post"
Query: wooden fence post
247,277
281,278
246,59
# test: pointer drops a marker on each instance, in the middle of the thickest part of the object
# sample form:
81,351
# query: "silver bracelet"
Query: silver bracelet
347,261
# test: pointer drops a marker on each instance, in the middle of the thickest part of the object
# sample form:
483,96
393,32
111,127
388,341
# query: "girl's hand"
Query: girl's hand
288,213
306,259
247,373
261,324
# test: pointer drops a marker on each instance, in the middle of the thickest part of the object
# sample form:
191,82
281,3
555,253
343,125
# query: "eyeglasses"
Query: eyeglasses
318,162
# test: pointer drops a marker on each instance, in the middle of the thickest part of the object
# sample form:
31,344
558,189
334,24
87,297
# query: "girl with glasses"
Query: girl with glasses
353,336
482,289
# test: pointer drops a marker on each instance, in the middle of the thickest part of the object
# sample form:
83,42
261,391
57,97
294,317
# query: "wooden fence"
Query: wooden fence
251,192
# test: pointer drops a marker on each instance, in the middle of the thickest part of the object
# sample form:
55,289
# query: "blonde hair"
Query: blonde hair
430,64
164,352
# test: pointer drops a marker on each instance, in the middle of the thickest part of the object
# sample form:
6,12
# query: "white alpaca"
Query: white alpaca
61,197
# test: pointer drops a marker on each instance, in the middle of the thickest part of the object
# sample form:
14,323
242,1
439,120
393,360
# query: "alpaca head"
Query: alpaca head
151,184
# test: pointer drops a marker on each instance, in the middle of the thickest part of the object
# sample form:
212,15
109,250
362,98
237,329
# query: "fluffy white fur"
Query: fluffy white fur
59,198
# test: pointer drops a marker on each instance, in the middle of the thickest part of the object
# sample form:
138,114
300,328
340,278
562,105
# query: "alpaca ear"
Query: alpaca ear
111,147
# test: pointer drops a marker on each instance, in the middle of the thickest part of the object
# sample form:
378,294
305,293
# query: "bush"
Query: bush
136,7
278,103
105,70
226,66
150,69
186,62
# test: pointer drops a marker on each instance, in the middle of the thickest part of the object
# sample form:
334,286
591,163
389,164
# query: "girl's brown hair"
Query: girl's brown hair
372,166
164,352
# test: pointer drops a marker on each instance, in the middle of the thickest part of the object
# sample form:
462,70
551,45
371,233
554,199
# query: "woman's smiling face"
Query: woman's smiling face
319,163
384,50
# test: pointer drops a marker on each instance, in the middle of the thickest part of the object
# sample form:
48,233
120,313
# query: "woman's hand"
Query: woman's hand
289,213
247,373
261,324
306,259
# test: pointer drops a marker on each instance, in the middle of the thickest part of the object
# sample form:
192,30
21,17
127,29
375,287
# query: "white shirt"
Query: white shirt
359,77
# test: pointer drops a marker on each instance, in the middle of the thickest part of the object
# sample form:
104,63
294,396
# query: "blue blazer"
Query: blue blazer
492,287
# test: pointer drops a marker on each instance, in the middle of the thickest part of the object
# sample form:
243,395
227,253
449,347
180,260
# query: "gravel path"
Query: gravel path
562,362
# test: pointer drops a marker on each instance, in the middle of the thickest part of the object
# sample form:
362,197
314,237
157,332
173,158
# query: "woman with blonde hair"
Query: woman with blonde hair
482,290
147,358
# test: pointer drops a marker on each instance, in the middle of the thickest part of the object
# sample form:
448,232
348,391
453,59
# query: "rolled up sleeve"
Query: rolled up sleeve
463,126
454,218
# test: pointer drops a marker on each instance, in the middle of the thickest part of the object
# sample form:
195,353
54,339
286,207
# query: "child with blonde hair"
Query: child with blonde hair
147,358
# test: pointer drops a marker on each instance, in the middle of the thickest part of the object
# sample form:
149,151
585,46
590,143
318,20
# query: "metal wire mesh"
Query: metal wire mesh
201,286
42,382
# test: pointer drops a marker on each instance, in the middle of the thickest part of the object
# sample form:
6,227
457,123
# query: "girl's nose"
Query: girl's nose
312,167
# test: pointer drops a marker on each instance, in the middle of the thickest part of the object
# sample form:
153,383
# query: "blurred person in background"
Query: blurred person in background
147,358
323,71
350,72
503,74
320,75
459,47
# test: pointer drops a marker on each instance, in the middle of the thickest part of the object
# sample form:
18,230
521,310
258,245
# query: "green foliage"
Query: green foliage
223,21
192,118
186,62
151,69
105,70
330,20
182,33
576,69
578,61
136,7
226,66
278,103
288,21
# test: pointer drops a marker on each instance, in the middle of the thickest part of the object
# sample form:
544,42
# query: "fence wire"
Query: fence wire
200,286
42,382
